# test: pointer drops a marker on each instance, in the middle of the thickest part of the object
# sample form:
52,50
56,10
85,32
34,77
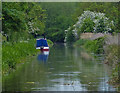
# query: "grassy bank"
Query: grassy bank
14,53
95,46
113,59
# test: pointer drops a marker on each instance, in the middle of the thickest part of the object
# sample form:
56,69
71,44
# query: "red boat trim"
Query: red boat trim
44,49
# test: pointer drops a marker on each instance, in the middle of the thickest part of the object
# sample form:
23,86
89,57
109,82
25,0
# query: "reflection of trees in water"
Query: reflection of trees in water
90,70
27,77
93,72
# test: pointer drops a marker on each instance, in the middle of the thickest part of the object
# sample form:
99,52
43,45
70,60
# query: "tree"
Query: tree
21,20
93,22
110,9
59,18
13,20
70,37
36,17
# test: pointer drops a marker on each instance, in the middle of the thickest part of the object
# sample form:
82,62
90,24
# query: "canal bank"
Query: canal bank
105,44
14,54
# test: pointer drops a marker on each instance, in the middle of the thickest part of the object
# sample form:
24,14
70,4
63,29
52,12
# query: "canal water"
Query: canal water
64,68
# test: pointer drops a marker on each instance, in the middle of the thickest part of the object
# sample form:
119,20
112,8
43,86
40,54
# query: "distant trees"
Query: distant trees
59,18
23,20
55,34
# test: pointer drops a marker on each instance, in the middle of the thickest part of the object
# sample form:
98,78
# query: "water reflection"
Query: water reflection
43,56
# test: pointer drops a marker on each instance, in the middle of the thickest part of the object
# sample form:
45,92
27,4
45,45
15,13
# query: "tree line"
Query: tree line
23,20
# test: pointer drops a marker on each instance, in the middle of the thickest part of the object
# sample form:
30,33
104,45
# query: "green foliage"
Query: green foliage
111,10
113,53
59,18
101,27
50,43
16,17
87,26
4,38
70,36
13,53
80,42
36,17
55,34
95,46
112,59
13,19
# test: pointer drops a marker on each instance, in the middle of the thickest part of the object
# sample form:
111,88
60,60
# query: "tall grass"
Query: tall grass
13,53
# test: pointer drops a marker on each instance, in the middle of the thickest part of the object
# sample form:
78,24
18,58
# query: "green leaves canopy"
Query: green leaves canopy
16,17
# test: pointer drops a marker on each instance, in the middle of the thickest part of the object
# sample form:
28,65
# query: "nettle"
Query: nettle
92,22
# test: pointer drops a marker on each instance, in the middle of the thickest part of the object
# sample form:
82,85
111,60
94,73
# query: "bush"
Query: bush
80,42
50,43
93,22
87,26
95,46
70,37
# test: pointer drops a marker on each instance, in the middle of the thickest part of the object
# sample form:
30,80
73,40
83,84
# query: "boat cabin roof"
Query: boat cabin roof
41,43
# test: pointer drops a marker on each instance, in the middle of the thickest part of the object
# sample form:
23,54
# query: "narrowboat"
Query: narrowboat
42,44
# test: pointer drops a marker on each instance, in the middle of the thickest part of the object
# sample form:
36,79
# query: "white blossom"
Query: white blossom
95,17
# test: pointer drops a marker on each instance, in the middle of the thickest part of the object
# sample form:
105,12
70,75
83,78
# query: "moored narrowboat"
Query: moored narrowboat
42,44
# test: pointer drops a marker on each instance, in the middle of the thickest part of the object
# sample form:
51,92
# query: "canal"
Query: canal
64,68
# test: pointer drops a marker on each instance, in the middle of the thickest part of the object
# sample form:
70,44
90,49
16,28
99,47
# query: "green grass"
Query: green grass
13,53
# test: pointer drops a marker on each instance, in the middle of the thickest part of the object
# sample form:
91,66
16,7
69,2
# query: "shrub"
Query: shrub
50,43
70,37
80,42
95,46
